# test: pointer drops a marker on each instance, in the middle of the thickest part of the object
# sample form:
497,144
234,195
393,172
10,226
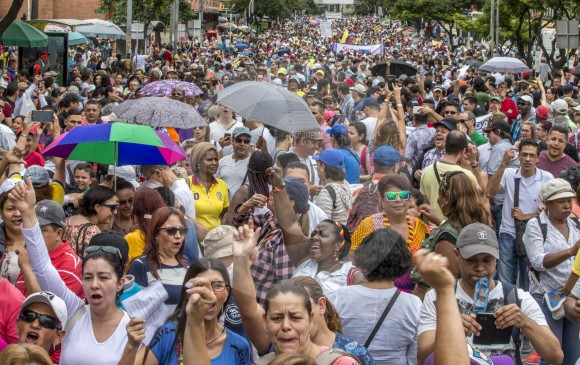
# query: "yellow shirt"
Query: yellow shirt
136,242
209,204
57,190
576,265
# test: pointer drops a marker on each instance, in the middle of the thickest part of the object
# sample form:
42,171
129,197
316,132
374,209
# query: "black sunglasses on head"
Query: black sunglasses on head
45,320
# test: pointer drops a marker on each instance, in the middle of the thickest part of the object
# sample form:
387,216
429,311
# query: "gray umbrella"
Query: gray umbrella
504,64
474,63
159,112
268,104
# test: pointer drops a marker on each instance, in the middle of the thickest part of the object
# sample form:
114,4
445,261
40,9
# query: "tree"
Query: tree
277,8
10,15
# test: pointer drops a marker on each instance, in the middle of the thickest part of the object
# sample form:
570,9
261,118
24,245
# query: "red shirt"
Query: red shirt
10,302
69,267
34,158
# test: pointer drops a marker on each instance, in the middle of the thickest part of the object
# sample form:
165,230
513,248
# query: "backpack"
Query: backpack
430,242
326,357
332,194
366,203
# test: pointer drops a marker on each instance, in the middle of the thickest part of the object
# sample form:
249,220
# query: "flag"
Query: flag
345,37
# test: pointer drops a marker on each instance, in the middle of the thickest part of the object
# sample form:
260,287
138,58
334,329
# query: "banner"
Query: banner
326,28
356,48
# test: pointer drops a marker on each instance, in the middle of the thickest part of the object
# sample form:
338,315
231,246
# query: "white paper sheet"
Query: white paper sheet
149,304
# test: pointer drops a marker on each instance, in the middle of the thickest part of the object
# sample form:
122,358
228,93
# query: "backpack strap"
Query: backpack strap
74,318
436,173
510,295
382,319
332,194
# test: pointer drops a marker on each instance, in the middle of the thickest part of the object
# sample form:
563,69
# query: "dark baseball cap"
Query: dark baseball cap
49,212
500,125
445,123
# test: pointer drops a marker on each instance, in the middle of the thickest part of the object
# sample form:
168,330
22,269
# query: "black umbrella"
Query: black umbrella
397,68
576,71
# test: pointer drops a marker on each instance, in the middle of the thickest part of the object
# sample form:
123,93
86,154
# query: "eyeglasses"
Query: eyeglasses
113,207
219,286
450,112
45,320
539,130
172,231
244,141
128,201
106,249
526,156
392,195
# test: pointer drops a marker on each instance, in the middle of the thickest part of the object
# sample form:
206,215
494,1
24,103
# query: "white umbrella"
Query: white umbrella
504,64
100,28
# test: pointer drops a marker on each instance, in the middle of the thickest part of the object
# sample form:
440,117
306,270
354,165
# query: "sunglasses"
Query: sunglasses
46,321
219,286
392,195
106,249
172,231
200,128
113,207
244,141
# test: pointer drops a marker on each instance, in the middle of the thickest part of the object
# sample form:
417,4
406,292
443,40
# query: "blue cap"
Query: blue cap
337,131
370,102
387,156
331,157
240,131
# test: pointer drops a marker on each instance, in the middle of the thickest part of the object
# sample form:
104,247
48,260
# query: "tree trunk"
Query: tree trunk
11,15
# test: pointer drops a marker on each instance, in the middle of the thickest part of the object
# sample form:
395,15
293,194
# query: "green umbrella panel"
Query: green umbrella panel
20,34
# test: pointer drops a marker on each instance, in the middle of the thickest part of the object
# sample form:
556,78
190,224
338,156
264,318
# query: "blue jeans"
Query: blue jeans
510,264
565,331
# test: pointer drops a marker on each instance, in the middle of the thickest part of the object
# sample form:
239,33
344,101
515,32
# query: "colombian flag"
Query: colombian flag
345,38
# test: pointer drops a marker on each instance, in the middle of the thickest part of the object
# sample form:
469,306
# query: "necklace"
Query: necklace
335,265
388,224
215,339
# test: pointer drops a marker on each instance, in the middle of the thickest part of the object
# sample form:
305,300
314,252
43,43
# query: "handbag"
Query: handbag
554,298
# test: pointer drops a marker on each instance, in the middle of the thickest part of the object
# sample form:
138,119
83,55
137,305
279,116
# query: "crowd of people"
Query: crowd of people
432,218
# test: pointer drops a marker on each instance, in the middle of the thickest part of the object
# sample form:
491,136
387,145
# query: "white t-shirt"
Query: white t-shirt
371,123
232,172
395,343
184,195
217,132
80,345
329,281
496,300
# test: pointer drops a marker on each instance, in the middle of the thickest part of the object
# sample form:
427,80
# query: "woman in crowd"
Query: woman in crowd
100,327
145,202
255,184
124,222
357,133
287,322
163,256
527,131
97,210
10,234
213,202
462,204
24,355
323,255
395,200
382,257
335,198
552,242
224,347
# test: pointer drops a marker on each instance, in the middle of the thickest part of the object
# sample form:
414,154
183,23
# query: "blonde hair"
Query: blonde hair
293,358
19,354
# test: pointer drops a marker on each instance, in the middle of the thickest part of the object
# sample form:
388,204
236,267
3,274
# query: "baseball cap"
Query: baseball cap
387,155
320,72
361,89
126,172
337,130
349,81
313,134
527,98
240,131
500,125
8,185
437,88
477,238
560,106
370,102
114,239
49,212
414,102
567,88
452,97
218,242
542,111
445,123
282,71
331,157
556,189
571,102
57,304
496,99
298,192
38,175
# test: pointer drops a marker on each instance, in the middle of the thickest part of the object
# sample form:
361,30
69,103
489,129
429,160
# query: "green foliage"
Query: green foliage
276,8
147,10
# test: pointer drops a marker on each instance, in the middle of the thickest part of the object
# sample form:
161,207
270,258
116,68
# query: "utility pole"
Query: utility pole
201,20
128,30
497,28
492,28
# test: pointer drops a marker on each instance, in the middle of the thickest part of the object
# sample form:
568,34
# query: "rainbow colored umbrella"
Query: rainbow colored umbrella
116,144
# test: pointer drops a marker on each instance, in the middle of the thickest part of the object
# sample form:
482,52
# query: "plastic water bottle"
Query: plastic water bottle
481,295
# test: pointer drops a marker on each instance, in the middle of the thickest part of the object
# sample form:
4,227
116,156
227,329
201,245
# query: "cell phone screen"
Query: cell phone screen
43,116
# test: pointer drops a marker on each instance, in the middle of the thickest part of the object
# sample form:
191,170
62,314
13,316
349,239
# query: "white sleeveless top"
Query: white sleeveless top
329,281
80,347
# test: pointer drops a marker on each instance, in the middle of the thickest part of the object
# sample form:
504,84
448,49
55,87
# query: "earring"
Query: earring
335,256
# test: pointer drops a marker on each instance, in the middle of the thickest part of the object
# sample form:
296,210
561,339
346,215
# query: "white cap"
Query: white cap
50,299
126,172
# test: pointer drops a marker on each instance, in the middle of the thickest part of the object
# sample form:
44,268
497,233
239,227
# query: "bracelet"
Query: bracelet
399,105
277,189
474,165
23,135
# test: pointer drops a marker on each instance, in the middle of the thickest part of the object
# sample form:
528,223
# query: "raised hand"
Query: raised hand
201,298
434,269
23,196
246,239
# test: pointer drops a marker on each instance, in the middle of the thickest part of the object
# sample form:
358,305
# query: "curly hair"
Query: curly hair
463,200
388,135
383,255
331,316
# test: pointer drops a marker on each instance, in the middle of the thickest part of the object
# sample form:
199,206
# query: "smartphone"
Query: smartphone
490,334
417,110
43,116
227,135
